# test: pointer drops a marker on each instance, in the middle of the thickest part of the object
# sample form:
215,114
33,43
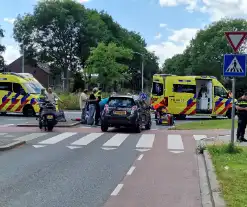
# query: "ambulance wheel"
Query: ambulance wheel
3,113
229,113
180,117
28,111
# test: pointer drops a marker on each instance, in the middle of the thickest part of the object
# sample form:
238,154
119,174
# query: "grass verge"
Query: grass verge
207,124
231,170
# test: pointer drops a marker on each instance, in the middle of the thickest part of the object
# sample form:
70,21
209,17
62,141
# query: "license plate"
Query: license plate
49,117
120,112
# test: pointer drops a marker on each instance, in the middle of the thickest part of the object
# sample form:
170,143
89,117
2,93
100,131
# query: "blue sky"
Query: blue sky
166,25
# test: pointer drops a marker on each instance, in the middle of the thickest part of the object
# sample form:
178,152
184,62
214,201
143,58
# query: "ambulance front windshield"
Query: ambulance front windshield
33,87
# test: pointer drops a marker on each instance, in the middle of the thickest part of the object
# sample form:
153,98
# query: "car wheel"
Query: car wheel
138,127
104,127
148,125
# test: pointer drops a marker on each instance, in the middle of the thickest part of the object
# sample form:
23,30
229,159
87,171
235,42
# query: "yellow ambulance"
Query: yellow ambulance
190,95
19,93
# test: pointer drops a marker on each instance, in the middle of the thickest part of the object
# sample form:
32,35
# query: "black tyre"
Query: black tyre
229,113
50,128
28,111
138,127
104,127
214,117
148,125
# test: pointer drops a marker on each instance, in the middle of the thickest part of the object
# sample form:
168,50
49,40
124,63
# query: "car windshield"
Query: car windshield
121,102
33,87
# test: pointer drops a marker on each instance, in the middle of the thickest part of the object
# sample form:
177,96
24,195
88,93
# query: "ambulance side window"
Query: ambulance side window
17,88
219,91
5,86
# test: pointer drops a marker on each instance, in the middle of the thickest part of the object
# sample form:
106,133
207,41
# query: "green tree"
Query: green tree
2,49
104,62
204,55
57,32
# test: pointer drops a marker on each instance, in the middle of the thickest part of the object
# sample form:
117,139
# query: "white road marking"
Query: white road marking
73,147
108,148
142,150
32,136
116,140
146,141
199,137
1,134
39,146
117,190
6,125
140,157
87,139
131,170
58,138
175,142
176,152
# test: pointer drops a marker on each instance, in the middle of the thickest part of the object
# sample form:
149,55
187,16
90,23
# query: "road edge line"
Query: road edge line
214,187
12,145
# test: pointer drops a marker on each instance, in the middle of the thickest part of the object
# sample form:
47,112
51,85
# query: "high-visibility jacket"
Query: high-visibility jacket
242,103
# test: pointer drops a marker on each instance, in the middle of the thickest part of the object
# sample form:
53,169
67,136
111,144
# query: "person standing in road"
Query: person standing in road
82,101
241,107
97,94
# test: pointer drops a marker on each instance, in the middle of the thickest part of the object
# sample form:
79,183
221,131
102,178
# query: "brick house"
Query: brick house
39,70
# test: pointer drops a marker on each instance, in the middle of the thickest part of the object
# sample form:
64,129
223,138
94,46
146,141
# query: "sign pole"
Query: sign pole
233,110
234,66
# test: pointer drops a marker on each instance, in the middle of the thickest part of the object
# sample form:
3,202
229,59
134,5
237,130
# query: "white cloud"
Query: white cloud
217,9
9,20
11,53
191,4
158,36
163,25
83,1
175,44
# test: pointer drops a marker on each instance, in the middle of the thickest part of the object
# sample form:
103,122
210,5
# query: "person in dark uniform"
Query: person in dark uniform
241,107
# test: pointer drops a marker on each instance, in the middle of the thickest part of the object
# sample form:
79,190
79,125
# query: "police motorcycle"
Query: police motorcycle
47,116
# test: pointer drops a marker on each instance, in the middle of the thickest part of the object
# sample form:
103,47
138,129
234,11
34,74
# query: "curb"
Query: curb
12,145
206,195
57,126
214,187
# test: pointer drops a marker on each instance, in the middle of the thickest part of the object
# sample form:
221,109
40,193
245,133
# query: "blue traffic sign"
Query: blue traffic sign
143,96
234,65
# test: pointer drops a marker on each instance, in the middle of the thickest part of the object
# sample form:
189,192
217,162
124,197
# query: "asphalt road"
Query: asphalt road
14,119
94,169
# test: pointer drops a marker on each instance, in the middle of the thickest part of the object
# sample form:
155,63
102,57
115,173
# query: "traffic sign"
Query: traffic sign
236,39
234,65
143,96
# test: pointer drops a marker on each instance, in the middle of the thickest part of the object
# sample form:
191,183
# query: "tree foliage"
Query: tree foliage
2,49
104,62
61,33
204,55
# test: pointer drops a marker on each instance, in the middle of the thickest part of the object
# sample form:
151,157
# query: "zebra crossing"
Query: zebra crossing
107,141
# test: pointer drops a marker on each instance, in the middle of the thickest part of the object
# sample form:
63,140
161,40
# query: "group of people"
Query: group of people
93,104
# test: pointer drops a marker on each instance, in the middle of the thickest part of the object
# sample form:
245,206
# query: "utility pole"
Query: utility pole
142,69
142,73
23,58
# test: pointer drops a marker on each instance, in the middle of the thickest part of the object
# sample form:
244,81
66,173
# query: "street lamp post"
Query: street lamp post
142,69
23,58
